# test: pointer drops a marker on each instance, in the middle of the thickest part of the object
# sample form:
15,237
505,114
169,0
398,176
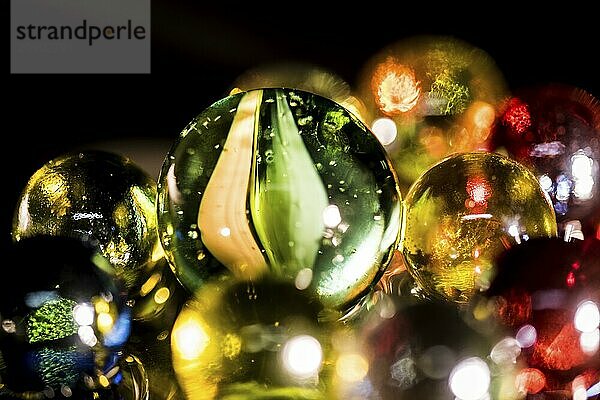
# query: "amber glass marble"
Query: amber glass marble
96,196
462,213
428,97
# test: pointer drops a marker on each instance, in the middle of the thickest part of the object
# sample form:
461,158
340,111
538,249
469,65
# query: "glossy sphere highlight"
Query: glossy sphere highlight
249,340
279,181
95,195
462,213
555,131
63,320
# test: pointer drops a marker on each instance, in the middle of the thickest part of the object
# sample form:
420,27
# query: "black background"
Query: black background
198,50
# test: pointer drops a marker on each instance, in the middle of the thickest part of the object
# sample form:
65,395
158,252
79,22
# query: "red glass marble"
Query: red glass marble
552,289
555,131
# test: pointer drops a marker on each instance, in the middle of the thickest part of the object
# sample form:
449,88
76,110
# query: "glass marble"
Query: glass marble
555,131
547,293
428,97
462,213
63,320
99,196
250,340
279,181
409,348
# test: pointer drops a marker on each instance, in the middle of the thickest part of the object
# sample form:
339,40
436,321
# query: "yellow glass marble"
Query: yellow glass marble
462,213
99,196
241,340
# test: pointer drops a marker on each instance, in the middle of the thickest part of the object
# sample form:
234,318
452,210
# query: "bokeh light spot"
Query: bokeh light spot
302,356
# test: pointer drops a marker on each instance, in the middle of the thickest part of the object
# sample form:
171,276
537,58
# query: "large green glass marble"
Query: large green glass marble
279,181
99,196
462,213
244,340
